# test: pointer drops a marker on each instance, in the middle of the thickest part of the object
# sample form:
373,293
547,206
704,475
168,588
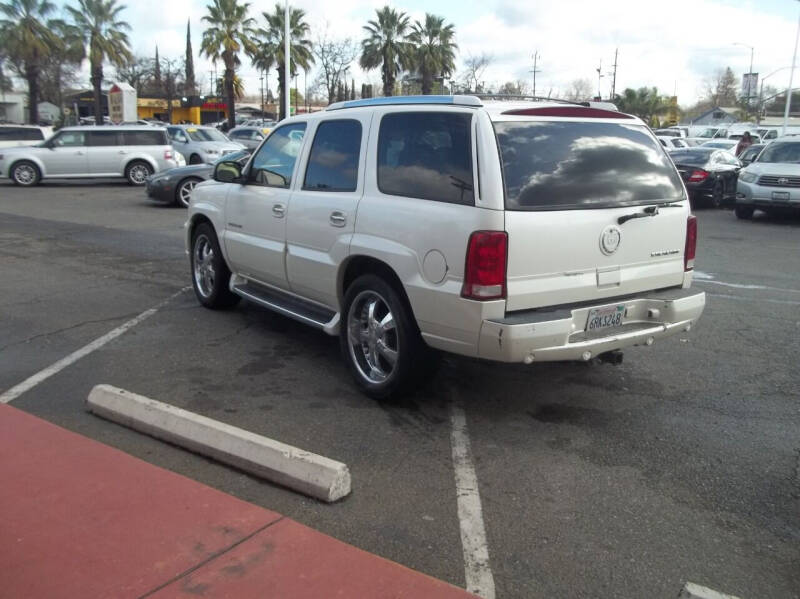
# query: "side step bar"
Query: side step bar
301,310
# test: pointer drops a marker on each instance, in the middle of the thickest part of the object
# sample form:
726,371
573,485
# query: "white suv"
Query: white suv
510,231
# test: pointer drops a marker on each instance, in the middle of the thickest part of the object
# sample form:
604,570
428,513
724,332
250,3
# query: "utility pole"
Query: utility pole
261,80
791,77
287,59
534,70
614,77
599,78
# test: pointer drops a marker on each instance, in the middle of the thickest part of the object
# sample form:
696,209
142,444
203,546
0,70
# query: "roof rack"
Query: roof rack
525,97
395,100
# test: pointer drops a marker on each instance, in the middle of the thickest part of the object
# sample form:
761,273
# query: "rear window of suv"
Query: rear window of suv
563,165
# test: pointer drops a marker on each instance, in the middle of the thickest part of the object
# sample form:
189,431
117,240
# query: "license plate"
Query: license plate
780,195
605,318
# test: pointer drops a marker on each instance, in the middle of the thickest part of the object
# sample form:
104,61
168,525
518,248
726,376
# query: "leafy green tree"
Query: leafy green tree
645,102
27,41
272,37
61,67
104,40
433,50
386,46
230,32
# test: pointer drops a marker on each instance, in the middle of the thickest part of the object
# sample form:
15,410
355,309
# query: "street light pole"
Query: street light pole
791,77
287,58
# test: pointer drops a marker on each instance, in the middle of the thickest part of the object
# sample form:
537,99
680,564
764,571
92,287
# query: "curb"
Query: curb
302,471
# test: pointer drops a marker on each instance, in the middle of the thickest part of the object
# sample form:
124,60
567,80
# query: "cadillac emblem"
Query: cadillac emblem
609,240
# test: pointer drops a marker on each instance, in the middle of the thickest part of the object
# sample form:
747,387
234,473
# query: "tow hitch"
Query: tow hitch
611,357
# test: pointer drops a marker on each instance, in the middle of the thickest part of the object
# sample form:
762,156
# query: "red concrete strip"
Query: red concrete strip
289,560
81,519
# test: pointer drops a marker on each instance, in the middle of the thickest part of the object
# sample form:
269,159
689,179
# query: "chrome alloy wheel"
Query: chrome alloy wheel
372,336
185,191
139,173
203,259
24,174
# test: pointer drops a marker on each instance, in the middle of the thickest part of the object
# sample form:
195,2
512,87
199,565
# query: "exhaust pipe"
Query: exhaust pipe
611,357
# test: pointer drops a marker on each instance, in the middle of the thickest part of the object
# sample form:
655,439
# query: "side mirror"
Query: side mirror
228,172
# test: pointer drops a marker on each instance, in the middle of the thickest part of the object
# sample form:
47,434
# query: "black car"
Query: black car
175,185
710,174
750,153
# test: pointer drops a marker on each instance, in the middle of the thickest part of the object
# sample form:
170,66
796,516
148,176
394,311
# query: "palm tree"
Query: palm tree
645,102
238,87
385,46
104,38
27,41
230,32
272,40
433,49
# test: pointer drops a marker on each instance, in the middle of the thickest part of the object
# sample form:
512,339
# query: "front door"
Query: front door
67,154
255,229
322,213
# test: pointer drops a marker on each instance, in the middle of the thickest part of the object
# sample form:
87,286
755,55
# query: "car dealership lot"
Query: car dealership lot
681,464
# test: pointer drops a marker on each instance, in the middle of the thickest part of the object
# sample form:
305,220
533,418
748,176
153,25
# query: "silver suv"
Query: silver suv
509,231
133,152
772,181
201,144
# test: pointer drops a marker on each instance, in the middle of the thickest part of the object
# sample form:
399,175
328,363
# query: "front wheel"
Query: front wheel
744,212
25,173
379,339
210,274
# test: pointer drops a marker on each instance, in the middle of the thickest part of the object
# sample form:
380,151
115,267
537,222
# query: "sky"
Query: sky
674,46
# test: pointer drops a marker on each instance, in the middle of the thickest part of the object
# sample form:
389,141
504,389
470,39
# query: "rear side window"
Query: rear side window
102,138
333,162
566,165
426,155
144,138
20,134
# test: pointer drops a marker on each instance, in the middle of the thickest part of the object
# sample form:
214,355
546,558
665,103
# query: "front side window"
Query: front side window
333,161
786,152
274,163
550,165
67,139
426,155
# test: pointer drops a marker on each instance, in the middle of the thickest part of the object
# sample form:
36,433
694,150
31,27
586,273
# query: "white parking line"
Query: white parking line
706,278
57,367
470,515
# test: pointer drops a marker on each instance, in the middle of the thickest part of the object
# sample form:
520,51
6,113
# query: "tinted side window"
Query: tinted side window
20,134
102,138
274,163
144,138
426,155
333,162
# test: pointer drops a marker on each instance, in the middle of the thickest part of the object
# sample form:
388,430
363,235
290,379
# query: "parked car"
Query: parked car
134,152
671,143
749,154
772,182
200,144
668,132
709,174
23,135
175,185
509,231
249,137
721,144
267,123
753,136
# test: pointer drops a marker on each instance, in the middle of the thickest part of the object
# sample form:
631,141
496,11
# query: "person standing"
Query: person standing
744,143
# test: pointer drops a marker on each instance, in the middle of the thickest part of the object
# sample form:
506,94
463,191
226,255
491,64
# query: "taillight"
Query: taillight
485,270
698,175
168,155
691,243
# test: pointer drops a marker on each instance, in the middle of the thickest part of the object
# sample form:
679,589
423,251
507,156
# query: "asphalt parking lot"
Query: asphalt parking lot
681,464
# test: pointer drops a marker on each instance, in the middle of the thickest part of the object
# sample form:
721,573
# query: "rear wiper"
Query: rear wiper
649,211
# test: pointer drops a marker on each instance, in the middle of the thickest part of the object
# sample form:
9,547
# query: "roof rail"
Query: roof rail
525,97
395,100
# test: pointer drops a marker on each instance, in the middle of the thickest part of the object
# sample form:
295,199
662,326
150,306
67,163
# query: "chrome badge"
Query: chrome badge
609,240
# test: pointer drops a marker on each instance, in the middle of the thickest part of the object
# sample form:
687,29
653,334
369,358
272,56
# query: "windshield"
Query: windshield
709,133
205,134
241,157
569,165
691,157
787,152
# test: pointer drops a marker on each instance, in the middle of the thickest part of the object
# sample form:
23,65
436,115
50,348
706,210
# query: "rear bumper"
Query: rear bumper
558,334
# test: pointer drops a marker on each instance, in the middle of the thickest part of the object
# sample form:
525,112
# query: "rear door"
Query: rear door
571,186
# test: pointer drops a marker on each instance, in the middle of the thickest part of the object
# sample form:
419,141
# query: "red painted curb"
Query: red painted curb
81,519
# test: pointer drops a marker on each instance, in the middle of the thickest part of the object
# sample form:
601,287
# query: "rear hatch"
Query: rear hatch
571,186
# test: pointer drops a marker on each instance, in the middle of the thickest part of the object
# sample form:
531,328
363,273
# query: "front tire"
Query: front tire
137,172
183,193
744,212
25,173
210,274
379,339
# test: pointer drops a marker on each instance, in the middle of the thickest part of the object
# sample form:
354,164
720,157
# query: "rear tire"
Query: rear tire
380,340
744,212
25,173
137,172
210,274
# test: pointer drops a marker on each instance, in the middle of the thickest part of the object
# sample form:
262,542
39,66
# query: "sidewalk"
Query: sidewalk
81,519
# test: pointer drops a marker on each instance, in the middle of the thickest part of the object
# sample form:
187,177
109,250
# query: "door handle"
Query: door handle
338,219
278,210
79,153
123,151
